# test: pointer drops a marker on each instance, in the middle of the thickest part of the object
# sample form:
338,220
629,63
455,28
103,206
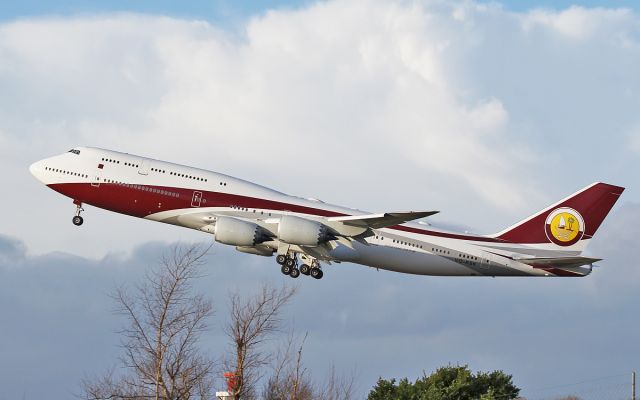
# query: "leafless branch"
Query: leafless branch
160,340
252,322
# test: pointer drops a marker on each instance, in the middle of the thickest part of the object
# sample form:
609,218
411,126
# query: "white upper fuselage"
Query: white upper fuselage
193,198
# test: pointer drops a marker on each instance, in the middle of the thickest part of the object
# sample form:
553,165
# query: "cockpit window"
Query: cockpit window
74,151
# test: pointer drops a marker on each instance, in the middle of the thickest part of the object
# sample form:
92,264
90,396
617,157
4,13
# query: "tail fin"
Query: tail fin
568,224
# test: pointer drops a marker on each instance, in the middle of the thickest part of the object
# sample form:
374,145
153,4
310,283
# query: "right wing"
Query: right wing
377,221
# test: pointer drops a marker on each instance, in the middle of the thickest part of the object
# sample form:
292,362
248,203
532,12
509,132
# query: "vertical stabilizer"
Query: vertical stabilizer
569,223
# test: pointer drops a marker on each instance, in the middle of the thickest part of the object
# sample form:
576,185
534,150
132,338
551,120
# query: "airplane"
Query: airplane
304,232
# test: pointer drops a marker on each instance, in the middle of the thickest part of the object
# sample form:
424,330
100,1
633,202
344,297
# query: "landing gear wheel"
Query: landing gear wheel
290,262
77,220
316,273
305,269
286,270
295,273
281,258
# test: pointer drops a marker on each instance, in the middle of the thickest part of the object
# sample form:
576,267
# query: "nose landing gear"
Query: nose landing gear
77,219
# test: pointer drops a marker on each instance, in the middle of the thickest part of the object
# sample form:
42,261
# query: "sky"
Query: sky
485,111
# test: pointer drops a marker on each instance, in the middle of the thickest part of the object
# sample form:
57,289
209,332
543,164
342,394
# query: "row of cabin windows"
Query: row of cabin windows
62,171
185,176
128,164
418,246
246,209
144,188
407,244
111,160
162,171
435,250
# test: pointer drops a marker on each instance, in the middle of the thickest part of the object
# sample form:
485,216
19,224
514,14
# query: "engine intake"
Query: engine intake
237,232
303,232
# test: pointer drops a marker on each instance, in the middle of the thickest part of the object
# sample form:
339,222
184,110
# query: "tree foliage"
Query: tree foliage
448,383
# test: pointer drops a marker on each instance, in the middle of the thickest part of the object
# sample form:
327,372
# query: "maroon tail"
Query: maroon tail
567,222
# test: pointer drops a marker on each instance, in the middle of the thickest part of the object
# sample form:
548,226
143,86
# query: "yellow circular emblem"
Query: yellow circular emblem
564,226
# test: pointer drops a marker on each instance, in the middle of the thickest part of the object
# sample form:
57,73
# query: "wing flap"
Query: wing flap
382,220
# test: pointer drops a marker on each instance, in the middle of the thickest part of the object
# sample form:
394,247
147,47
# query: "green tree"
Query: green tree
448,383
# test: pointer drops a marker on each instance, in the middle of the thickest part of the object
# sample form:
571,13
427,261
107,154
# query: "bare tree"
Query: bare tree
165,320
252,322
338,387
290,380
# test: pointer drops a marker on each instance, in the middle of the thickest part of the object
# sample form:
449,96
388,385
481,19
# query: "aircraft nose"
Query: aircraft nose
36,170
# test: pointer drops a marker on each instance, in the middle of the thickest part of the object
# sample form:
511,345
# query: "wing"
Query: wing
377,221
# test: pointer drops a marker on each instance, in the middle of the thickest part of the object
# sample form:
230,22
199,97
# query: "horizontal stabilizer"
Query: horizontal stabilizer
377,221
559,262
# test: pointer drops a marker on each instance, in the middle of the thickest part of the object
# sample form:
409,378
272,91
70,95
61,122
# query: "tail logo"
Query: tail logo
564,226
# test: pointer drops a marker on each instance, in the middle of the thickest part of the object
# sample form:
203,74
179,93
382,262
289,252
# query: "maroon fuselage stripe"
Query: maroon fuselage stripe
143,200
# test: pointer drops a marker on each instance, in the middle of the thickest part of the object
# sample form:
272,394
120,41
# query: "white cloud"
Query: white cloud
578,22
446,103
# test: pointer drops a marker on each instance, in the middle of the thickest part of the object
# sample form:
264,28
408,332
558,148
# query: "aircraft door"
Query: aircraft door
97,174
95,182
144,167
196,199
486,260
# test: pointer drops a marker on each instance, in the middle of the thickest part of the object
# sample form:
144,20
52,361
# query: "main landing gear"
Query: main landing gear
289,267
77,219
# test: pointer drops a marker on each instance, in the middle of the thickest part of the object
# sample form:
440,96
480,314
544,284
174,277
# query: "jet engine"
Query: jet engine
237,232
302,232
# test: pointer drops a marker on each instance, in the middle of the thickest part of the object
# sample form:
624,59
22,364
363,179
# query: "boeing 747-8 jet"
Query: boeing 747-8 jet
303,233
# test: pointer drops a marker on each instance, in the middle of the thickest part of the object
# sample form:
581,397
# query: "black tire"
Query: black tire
295,273
320,275
280,259
316,272
77,220
290,262
305,269
285,270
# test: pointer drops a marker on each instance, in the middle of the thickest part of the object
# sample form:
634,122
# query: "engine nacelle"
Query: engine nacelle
237,232
302,232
